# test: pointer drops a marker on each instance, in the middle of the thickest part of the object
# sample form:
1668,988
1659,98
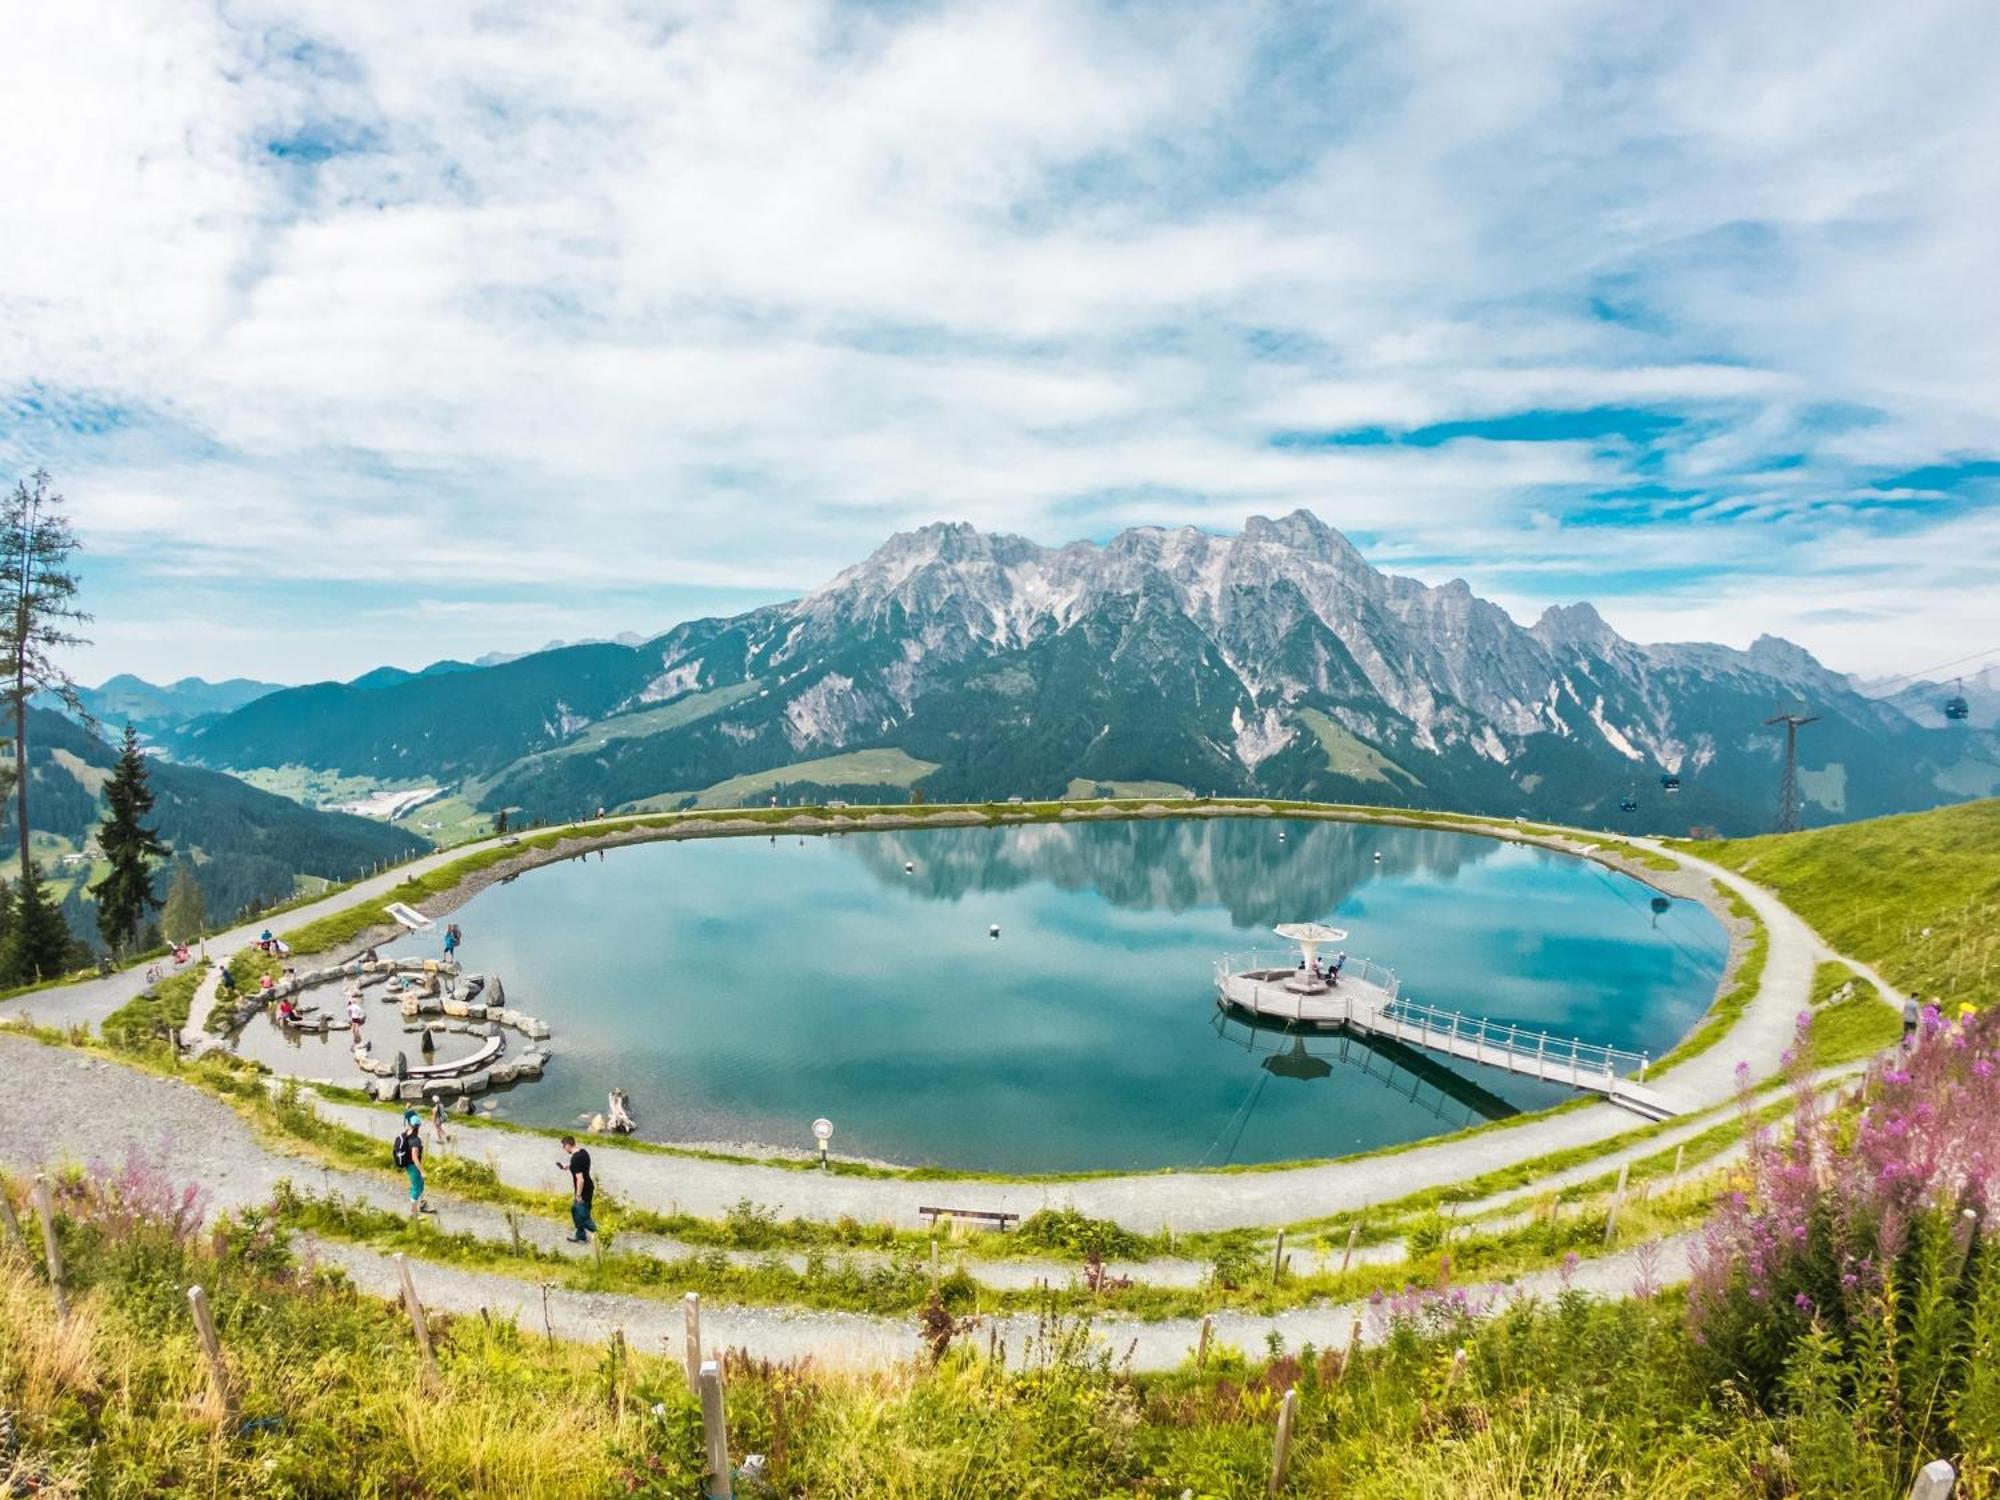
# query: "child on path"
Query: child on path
438,1118
582,1189
355,1015
408,1153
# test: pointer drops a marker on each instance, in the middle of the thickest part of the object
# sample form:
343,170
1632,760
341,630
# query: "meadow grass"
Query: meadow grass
1916,896
1561,1397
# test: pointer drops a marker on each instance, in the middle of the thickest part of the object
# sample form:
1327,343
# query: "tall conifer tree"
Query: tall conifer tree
186,916
37,609
125,895
38,939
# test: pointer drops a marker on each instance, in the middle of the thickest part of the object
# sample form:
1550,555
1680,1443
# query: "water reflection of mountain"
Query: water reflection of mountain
1171,864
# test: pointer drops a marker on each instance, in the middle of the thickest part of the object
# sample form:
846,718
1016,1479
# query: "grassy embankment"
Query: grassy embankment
330,1397
1916,896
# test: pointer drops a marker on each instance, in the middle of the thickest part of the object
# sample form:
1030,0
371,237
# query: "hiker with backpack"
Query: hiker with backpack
408,1153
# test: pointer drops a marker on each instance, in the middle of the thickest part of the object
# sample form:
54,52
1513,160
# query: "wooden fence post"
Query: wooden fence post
934,1263
1617,1198
691,1316
1353,1348
1281,1449
45,1210
548,1318
1278,1258
1680,1151
1353,1234
418,1322
15,1238
1201,1344
211,1346
715,1433
1934,1481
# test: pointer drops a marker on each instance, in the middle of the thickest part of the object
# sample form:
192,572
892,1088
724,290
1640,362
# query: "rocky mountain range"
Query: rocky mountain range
1274,662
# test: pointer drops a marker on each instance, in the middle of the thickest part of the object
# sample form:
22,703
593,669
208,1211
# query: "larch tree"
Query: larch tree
125,895
185,918
37,614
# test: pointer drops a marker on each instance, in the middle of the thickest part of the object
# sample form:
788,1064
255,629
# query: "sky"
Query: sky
359,333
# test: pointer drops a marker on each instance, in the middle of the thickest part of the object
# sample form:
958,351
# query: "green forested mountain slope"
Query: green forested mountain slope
248,846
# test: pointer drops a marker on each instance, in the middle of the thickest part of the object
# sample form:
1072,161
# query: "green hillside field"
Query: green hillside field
1917,896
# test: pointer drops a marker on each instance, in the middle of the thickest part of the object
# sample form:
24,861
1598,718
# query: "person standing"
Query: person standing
355,1015
583,1191
451,940
409,1155
438,1118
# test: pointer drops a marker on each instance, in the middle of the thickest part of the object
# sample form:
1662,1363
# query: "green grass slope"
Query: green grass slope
1917,896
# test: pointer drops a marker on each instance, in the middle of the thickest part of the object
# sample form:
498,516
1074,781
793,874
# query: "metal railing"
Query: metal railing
1287,959
1520,1049
1511,1045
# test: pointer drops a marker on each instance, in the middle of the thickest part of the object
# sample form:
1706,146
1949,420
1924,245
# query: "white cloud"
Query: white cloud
715,296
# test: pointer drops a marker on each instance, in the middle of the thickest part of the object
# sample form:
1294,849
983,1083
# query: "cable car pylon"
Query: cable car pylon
1788,791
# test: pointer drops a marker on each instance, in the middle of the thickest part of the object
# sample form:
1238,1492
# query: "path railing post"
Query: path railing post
45,1210
15,1239
718,1484
1281,1447
1278,1258
691,1321
1353,1233
211,1348
1679,1152
1201,1342
419,1324
1617,1199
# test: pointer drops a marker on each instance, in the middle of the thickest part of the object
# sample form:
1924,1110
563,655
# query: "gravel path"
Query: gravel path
859,1339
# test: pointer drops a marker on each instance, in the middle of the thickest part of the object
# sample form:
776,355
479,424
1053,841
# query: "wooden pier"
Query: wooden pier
1365,1001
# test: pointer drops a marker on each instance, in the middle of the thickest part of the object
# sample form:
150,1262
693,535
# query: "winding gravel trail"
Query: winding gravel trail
860,1340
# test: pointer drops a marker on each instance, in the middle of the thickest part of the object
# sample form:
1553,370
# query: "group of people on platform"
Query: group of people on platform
1320,973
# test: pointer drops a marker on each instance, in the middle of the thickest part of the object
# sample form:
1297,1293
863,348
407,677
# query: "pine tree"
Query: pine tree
37,591
38,940
186,916
125,895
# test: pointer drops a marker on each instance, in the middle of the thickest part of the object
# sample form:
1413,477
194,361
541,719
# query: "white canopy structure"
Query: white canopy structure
1311,937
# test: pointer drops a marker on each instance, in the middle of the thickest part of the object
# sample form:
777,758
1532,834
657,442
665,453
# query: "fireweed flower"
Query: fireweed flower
1833,1199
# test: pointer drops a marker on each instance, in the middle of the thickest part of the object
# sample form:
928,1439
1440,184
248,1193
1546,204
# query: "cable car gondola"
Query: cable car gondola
1670,782
1955,707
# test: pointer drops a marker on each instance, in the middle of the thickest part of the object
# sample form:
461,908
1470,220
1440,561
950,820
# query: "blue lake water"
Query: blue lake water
740,987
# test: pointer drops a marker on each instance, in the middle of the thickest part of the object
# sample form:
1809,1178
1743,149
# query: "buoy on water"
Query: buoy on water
909,867
1378,856
994,930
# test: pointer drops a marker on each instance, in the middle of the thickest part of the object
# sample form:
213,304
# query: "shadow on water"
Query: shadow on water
1405,1071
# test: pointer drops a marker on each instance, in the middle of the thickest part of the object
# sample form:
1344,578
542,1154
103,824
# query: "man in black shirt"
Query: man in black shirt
582,1190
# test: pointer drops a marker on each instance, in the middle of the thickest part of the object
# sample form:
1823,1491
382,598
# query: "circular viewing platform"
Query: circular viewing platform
1259,984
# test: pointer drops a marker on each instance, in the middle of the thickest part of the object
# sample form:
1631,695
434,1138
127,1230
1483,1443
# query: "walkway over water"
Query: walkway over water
1365,1001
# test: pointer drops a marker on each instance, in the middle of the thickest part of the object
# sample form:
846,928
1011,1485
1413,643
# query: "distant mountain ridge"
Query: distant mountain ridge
153,709
1274,662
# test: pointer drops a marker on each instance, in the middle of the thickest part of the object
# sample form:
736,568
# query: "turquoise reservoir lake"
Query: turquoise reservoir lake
738,988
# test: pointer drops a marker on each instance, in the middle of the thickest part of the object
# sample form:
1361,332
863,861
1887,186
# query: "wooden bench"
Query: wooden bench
1001,1220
